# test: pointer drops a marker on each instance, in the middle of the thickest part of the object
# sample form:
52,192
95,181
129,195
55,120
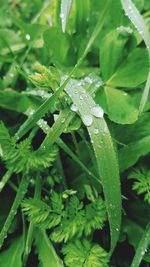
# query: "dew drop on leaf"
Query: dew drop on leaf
74,108
97,112
81,97
87,120
28,37
96,131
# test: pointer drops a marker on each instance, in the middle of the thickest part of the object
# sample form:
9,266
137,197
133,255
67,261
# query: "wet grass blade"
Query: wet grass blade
64,12
20,194
142,247
138,21
105,156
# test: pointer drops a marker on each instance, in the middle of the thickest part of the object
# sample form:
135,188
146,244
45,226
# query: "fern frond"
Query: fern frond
84,254
20,157
142,182
68,220
43,215
95,216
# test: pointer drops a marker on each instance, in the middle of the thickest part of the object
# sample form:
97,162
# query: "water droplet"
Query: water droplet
142,253
130,8
74,108
76,92
88,80
87,120
11,75
96,131
97,111
28,37
117,229
81,97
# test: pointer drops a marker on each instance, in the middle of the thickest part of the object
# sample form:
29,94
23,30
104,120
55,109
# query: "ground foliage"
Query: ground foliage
74,133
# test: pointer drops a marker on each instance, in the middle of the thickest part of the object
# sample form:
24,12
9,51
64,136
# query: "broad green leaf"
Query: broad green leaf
105,156
58,45
130,153
114,43
136,63
131,133
29,32
139,23
117,104
142,247
13,100
46,251
13,255
64,13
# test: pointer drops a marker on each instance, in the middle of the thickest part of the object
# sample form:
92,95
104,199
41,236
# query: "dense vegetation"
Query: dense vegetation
75,133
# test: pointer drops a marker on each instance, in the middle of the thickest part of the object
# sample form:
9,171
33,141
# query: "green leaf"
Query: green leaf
84,254
104,152
13,100
136,63
139,23
142,247
58,45
13,255
65,9
114,43
130,154
46,251
117,104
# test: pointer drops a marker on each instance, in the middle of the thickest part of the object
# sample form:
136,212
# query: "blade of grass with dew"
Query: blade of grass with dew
64,12
138,21
19,196
105,156
142,247
43,109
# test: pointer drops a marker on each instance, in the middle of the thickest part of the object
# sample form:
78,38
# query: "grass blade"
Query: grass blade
142,247
138,21
64,12
105,156
46,251
20,194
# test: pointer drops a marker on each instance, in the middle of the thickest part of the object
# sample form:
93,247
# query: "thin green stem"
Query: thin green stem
31,229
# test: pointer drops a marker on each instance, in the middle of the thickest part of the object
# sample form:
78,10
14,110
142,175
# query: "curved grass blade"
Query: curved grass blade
105,156
20,194
142,247
64,12
138,21
43,109
46,251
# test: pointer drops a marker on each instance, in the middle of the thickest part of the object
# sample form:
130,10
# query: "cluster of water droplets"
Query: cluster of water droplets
95,111
43,125
133,16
